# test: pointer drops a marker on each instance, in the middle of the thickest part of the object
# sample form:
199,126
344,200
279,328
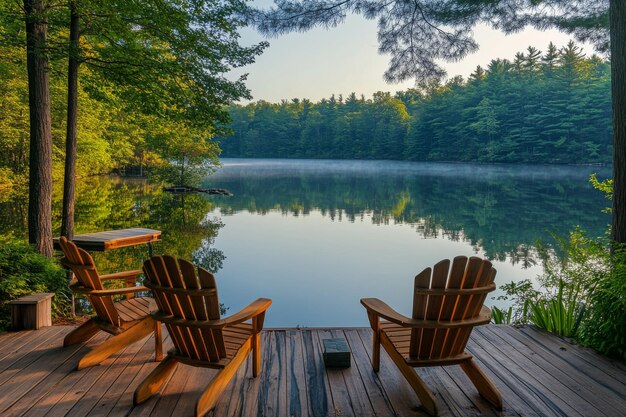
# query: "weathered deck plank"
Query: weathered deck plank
338,388
320,399
297,395
17,356
538,375
362,364
400,394
574,381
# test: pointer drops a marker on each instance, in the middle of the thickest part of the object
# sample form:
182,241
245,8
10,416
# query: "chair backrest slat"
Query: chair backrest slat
196,343
455,278
156,273
212,302
474,305
193,339
420,301
76,259
463,274
209,351
470,276
440,278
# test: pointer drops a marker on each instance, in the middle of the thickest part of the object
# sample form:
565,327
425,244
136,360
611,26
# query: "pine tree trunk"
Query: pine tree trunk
40,161
618,91
69,181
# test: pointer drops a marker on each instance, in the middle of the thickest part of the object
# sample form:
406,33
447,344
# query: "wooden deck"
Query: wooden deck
538,375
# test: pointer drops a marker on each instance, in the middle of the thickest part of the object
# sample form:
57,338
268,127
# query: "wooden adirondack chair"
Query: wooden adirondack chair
445,309
191,313
128,320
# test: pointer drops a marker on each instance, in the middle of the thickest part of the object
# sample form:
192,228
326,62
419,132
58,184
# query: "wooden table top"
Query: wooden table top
33,298
112,239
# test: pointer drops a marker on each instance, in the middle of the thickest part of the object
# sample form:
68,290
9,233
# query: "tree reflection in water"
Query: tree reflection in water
107,203
502,210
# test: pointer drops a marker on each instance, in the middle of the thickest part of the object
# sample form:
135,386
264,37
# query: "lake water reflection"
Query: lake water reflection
316,236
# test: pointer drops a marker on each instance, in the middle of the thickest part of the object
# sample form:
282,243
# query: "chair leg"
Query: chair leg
154,380
158,342
376,350
426,397
256,354
82,333
117,342
483,384
211,394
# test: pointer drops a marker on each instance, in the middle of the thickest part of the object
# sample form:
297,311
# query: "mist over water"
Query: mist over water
316,236
233,167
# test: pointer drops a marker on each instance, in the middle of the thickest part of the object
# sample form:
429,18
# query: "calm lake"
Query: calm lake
316,236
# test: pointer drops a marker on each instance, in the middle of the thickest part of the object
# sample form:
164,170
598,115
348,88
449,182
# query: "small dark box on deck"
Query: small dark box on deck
336,353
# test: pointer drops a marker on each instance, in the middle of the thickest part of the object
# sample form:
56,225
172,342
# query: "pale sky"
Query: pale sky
345,59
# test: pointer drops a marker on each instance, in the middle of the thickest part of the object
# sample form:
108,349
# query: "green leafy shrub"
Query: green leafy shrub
24,271
518,293
605,326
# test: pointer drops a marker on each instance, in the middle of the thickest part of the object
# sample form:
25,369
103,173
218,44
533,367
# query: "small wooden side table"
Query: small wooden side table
31,311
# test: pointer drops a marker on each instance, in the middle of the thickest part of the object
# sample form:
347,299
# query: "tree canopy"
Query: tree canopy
150,69
418,33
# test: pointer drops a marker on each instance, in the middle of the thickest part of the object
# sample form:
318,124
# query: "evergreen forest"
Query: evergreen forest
541,107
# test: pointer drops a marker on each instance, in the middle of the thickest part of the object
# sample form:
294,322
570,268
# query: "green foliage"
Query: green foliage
188,158
24,271
605,325
500,316
167,58
6,179
583,294
605,186
519,293
550,108
151,82
557,315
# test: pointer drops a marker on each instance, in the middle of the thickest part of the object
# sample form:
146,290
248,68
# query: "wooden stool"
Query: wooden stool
31,311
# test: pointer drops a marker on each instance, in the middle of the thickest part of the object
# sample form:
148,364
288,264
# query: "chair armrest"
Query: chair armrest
121,275
256,308
380,309
112,291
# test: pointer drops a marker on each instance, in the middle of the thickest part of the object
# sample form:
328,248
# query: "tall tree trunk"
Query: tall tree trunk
618,91
69,181
40,161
